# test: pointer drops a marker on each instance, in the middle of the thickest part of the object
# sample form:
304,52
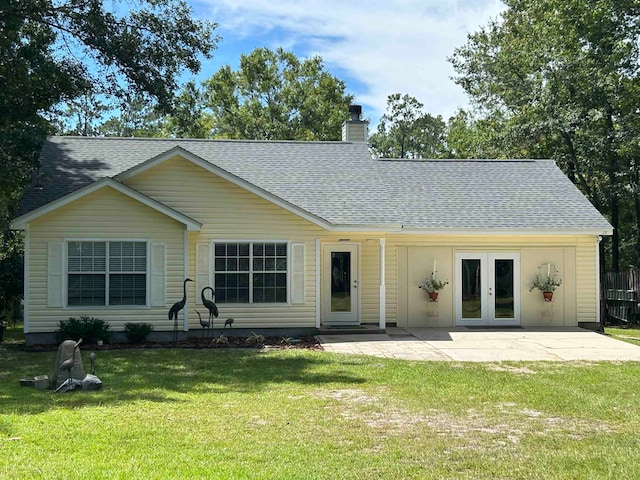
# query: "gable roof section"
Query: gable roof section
338,184
181,152
20,222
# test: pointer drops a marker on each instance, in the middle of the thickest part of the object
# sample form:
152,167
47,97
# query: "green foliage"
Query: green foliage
90,329
405,131
189,118
136,115
559,79
11,275
547,279
137,332
470,136
275,96
431,284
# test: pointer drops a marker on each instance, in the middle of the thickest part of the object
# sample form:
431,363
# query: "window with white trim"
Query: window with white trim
106,273
251,272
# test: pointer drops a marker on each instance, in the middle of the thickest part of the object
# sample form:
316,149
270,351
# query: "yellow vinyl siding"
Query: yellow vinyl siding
229,212
575,255
586,278
392,292
370,281
103,215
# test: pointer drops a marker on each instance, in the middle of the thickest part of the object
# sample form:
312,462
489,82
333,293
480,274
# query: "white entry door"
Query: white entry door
340,298
487,289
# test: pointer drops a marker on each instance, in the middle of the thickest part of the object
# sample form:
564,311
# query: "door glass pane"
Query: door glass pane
340,281
471,288
504,307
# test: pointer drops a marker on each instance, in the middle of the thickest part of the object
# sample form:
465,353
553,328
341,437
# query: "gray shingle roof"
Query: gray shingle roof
340,183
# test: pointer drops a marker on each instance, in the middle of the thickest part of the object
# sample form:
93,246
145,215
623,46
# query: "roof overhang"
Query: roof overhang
21,222
506,231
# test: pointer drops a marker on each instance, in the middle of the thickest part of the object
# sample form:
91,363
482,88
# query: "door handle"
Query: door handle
490,292
355,284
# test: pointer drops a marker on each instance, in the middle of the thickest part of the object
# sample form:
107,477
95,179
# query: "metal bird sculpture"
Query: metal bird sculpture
213,309
173,312
203,323
228,321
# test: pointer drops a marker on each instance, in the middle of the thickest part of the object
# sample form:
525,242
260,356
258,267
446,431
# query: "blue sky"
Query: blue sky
378,47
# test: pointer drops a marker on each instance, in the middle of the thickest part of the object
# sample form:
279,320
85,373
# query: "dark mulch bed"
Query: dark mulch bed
270,343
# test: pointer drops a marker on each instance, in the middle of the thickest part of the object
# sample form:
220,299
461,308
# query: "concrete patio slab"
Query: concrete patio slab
488,345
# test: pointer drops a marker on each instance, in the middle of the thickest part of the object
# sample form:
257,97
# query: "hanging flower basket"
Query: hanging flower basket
547,280
432,286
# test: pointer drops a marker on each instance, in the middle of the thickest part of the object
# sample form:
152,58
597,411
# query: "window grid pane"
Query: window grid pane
231,269
86,289
86,257
128,257
127,289
270,286
87,273
264,263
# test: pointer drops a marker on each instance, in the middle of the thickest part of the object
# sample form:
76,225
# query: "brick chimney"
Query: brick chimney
355,129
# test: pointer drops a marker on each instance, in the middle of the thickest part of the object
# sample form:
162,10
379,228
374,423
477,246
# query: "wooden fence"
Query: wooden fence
620,295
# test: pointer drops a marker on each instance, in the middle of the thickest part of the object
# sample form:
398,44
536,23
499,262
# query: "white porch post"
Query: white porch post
185,318
318,266
383,290
598,290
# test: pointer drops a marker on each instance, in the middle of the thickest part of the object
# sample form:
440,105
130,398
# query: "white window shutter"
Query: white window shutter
157,275
297,273
54,274
203,255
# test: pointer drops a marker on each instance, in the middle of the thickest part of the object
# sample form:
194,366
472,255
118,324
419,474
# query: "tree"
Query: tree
275,96
563,76
53,51
80,116
189,118
405,131
137,116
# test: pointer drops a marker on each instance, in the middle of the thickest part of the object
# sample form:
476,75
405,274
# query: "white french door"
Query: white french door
487,289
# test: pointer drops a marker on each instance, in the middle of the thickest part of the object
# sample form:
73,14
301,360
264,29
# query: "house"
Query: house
299,236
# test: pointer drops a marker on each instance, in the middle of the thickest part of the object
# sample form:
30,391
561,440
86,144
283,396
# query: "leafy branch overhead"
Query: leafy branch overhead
124,48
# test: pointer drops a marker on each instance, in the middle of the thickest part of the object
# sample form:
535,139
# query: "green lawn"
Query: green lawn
631,335
239,413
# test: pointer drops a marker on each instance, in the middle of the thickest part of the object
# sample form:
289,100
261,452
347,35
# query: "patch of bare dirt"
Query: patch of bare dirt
474,428
498,367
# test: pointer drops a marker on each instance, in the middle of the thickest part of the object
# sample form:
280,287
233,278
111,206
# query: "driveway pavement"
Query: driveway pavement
485,345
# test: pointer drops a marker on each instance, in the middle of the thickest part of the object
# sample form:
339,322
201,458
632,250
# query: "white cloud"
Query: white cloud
378,47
